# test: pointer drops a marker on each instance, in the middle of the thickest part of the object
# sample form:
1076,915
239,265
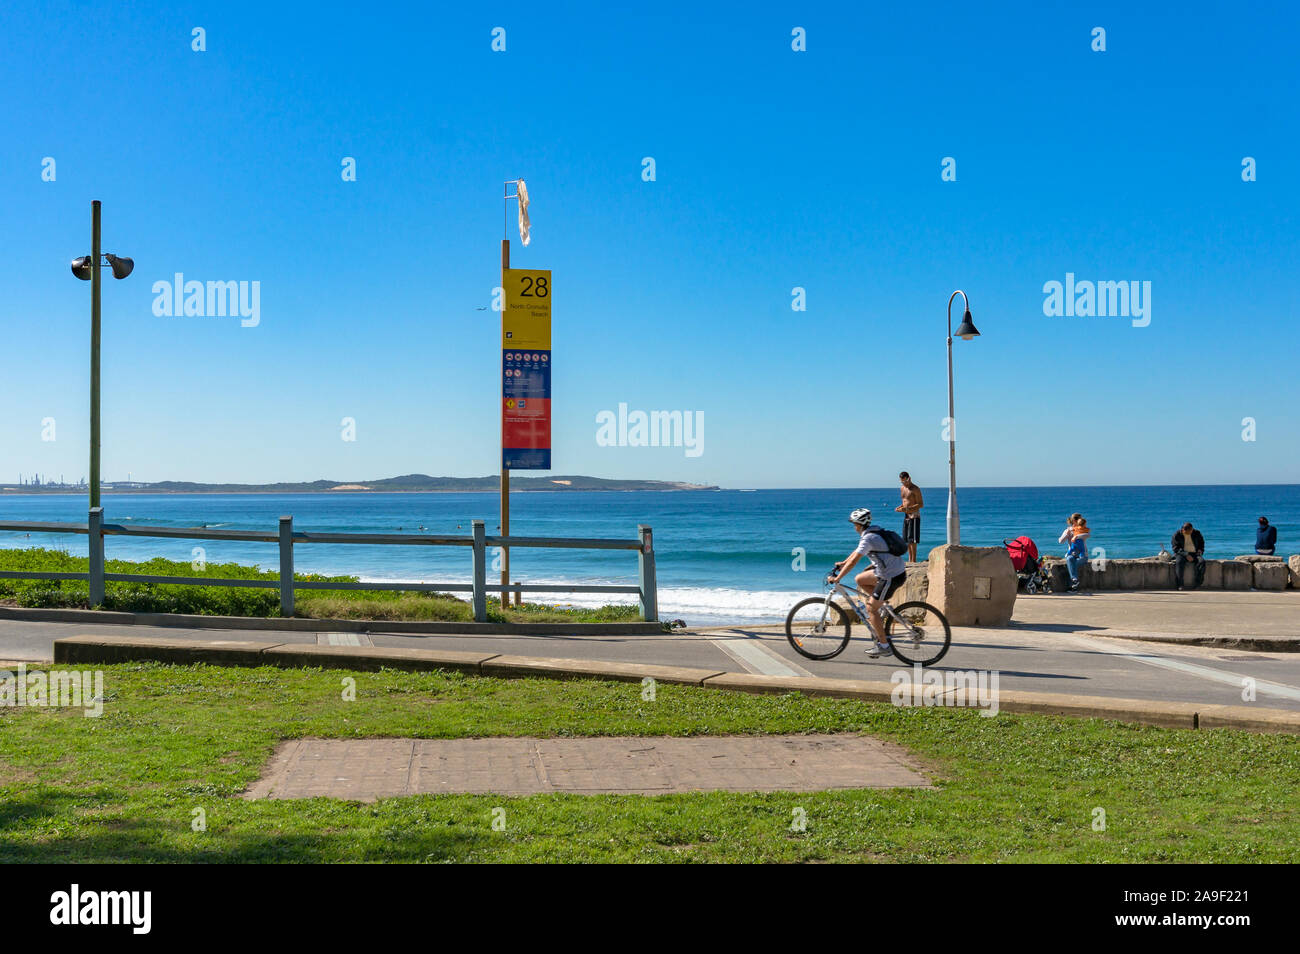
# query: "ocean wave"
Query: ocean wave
693,604
706,604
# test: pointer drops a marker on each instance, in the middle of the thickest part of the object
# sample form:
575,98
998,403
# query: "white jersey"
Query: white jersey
873,545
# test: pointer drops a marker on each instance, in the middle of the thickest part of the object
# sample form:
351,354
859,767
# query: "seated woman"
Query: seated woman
1265,538
1076,535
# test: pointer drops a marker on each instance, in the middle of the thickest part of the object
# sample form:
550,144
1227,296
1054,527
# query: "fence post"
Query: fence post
480,573
649,586
286,567
95,526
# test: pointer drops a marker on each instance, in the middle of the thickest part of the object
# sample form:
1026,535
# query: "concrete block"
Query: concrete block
1293,570
1142,574
972,586
1058,573
1115,575
1158,574
513,666
1124,574
1270,576
1099,577
1248,719
374,658
119,649
917,586
1236,575
1214,574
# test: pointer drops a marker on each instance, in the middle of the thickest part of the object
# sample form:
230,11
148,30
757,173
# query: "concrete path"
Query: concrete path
1075,660
1168,613
369,769
1056,644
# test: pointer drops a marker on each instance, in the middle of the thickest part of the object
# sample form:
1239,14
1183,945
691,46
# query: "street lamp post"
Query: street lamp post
86,268
966,331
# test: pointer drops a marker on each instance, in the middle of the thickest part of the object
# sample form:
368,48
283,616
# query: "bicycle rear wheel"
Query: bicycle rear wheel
810,636
922,638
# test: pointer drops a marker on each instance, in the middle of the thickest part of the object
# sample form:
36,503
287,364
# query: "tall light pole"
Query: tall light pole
966,331
87,269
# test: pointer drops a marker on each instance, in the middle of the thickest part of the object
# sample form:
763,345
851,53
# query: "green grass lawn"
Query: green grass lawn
256,601
173,739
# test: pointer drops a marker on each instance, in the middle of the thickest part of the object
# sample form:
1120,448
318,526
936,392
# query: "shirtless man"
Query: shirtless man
911,511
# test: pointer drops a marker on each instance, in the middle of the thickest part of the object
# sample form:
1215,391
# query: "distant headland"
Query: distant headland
409,483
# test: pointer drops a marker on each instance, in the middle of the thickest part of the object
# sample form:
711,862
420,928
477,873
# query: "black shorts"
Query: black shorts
912,529
886,588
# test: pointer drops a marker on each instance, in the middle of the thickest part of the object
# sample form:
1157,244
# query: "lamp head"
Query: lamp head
121,266
966,330
81,267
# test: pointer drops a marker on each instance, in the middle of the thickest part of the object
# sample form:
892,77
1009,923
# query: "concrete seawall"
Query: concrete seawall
1157,573
1151,573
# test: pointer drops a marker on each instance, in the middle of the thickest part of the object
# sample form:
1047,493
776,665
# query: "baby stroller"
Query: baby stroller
1029,569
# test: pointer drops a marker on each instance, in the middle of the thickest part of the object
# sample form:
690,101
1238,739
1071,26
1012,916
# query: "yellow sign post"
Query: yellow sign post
526,370
526,383
526,320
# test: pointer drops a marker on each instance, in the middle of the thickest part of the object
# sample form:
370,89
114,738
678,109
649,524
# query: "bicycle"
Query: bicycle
819,628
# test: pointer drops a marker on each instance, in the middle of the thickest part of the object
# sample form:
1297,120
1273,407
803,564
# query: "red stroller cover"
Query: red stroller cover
1022,550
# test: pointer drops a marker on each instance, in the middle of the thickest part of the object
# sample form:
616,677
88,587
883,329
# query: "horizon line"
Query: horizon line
20,488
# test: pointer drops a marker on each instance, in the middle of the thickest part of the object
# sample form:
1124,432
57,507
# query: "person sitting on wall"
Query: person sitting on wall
1265,538
1076,554
1188,545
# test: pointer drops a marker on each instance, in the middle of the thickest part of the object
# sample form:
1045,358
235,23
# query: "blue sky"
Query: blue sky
774,169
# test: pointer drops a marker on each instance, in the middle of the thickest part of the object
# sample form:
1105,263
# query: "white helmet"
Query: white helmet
861,517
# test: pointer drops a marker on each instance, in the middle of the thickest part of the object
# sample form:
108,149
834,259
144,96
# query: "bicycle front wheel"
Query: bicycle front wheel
923,636
818,628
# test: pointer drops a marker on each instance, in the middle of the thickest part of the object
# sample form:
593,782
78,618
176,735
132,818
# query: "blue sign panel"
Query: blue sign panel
526,410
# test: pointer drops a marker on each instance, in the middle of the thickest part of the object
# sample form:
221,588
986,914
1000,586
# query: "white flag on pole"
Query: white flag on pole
523,211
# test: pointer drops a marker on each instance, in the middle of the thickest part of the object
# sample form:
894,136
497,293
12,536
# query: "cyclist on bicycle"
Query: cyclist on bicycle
886,575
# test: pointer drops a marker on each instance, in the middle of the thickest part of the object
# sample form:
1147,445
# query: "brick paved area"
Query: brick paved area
367,769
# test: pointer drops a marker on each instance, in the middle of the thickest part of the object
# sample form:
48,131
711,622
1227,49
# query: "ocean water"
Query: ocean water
722,556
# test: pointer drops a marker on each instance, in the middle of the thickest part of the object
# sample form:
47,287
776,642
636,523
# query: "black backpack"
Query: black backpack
892,540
